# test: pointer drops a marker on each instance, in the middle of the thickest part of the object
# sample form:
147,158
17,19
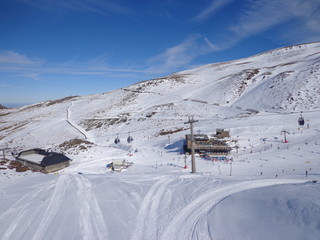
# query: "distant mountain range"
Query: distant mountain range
13,105
282,80
2,107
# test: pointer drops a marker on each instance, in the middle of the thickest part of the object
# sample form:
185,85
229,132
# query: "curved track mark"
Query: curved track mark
53,206
91,218
181,229
147,218
21,209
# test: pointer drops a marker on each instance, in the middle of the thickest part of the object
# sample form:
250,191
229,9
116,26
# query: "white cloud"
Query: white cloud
213,47
263,15
32,75
101,7
20,65
23,67
4,85
14,58
180,55
214,6
260,16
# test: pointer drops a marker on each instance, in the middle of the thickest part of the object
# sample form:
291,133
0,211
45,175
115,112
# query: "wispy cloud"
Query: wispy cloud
260,16
22,66
101,7
210,10
14,58
180,55
212,46
263,15
8,86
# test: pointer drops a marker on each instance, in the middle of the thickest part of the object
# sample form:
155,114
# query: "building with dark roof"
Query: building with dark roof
202,143
42,160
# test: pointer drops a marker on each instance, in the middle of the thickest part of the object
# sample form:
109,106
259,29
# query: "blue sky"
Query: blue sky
55,48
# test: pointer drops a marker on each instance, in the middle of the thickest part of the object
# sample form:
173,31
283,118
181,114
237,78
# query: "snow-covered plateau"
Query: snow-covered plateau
269,188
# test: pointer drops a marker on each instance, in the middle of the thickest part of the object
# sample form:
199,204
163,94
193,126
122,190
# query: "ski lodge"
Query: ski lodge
213,145
42,160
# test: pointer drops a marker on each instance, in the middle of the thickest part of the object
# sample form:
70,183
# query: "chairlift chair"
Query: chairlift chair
129,139
117,140
301,120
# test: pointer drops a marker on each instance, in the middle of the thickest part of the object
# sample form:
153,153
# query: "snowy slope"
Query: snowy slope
281,80
268,189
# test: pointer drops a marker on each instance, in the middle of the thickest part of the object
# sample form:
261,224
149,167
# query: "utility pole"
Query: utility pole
185,162
284,136
193,164
237,147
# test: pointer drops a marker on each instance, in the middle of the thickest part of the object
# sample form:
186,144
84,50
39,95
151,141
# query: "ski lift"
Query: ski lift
117,140
129,139
301,120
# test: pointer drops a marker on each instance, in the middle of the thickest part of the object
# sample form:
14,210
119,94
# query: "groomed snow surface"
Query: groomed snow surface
269,191
267,196
169,206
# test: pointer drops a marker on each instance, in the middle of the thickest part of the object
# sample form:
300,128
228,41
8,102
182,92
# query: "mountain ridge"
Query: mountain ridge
268,176
282,66
281,81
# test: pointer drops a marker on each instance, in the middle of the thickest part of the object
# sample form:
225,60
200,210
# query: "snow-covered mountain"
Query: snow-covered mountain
281,80
285,78
256,98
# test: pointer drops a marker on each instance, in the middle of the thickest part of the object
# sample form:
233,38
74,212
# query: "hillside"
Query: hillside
282,80
274,183
287,76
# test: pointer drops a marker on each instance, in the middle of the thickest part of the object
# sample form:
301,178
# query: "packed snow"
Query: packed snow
268,189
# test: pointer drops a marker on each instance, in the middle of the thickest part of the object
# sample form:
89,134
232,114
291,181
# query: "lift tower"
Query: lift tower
193,164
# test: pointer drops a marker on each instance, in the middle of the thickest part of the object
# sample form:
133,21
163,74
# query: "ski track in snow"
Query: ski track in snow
195,213
53,206
91,219
160,206
21,210
147,218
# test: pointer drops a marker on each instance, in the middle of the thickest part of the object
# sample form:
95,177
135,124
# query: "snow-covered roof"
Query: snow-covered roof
42,157
32,157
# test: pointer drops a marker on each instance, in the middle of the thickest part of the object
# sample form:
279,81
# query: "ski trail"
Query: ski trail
72,124
181,229
147,218
91,219
53,206
24,199
21,209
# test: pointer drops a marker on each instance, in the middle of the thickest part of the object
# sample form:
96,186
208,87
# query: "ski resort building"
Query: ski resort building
203,144
119,165
42,160
221,133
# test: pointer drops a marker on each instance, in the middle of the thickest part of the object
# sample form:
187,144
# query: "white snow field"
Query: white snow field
270,189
